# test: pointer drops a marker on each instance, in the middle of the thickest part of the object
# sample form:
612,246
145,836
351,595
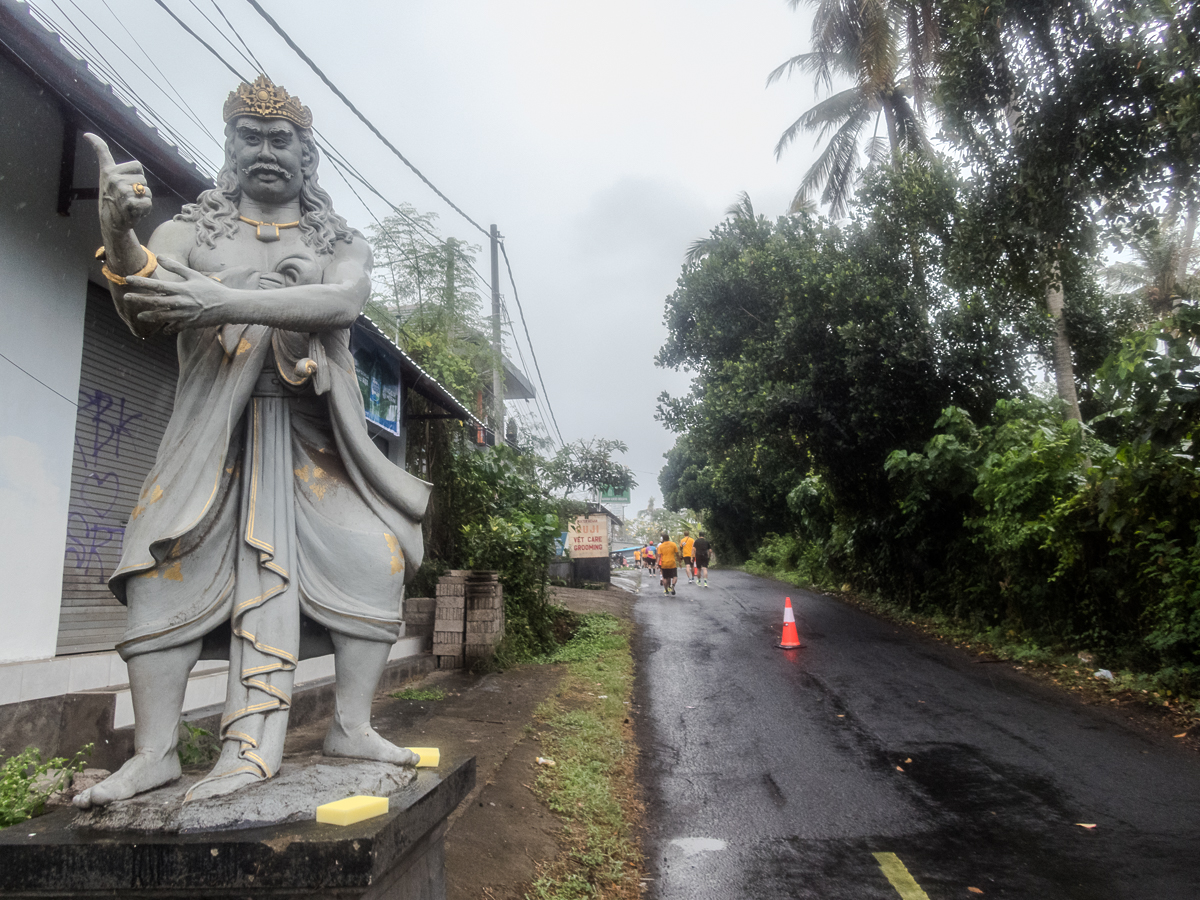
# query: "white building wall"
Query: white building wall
43,278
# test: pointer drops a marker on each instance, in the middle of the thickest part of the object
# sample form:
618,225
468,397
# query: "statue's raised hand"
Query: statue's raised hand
125,199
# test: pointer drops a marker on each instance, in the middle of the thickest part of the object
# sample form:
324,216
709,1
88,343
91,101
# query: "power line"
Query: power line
521,310
109,75
186,107
39,381
354,109
246,59
207,46
241,40
524,365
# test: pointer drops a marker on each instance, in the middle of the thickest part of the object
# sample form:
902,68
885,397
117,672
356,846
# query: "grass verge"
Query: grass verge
586,730
419,694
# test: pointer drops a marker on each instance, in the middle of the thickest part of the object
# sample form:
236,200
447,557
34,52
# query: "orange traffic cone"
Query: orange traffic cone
791,637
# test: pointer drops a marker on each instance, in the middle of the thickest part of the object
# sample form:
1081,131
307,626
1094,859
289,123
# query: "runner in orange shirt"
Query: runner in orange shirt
685,548
667,551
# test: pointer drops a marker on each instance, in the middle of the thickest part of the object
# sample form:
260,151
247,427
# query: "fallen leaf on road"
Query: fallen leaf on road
1084,825
974,890
1182,735
908,760
898,769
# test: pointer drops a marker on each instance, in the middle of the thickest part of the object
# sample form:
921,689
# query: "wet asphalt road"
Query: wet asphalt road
776,773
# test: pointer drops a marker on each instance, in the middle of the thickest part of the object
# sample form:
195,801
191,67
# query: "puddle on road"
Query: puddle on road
694,846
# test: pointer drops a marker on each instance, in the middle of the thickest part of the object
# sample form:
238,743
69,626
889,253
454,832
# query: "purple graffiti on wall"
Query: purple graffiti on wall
92,526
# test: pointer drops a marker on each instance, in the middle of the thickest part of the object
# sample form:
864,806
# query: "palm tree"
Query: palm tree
752,229
1161,277
861,41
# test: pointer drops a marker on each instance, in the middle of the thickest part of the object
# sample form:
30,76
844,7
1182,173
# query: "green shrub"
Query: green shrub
27,782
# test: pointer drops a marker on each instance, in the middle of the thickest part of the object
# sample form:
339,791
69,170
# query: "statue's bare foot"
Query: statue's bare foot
144,771
363,742
219,785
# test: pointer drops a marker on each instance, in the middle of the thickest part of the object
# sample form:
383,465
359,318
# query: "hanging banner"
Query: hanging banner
587,537
380,388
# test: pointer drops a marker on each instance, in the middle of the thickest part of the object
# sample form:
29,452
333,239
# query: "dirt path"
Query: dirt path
501,833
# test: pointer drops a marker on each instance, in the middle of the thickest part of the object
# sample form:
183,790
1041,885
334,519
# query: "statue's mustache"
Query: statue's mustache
267,167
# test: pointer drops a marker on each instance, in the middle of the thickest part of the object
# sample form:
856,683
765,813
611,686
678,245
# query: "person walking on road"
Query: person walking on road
648,553
667,553
685,548
702,551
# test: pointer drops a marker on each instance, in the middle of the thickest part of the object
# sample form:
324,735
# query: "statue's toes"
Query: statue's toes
83,800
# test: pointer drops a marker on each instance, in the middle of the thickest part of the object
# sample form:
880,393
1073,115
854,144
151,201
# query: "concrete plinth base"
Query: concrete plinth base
399,856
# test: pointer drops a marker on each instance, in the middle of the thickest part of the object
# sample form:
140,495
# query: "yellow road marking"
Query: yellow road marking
905,885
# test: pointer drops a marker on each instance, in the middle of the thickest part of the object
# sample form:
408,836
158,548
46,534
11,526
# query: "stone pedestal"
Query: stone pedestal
399,856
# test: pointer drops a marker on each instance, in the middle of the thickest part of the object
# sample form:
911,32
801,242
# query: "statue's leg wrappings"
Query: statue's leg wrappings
266,613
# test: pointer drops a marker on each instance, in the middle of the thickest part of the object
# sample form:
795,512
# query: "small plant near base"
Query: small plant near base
196,745
27,782
427,694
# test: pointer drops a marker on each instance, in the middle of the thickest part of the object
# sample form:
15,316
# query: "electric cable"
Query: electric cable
246,59
120,87
525,325
521,356
181,104
241,40
184,25
354,109
38,380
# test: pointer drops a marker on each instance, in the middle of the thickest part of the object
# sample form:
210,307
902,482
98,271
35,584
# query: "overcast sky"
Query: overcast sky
602,139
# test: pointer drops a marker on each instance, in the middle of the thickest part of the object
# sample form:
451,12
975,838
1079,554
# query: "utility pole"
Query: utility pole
497,344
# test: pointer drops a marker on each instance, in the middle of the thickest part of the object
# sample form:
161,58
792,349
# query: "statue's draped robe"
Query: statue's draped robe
268,500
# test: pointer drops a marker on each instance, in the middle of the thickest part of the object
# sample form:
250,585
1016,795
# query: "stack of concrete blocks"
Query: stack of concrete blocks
469,618
418,617
484,623
449,619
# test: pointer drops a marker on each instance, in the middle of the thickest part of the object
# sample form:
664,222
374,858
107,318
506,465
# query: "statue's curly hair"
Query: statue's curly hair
215,211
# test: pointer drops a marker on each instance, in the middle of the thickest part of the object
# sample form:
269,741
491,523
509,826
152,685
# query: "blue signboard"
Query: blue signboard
380,387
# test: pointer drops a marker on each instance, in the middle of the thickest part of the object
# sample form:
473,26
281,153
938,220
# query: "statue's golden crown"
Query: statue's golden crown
266,101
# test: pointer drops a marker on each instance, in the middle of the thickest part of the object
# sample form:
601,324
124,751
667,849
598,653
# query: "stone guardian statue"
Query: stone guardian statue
271,527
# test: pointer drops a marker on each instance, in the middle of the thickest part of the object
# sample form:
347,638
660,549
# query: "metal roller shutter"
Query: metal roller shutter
126,393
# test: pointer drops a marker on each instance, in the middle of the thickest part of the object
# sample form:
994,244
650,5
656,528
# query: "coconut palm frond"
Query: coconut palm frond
910,128
802,203
826,116
878,149
699,249
831,112
1126,276
742,209
837,165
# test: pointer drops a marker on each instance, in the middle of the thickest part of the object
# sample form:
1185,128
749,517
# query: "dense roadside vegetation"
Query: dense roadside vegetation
883,402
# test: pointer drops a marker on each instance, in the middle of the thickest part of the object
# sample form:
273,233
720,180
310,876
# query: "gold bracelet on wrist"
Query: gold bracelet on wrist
146,271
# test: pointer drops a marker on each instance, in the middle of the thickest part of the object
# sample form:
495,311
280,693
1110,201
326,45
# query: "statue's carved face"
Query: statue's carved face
269,159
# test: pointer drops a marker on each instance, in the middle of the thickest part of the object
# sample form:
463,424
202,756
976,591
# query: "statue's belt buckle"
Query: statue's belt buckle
271,232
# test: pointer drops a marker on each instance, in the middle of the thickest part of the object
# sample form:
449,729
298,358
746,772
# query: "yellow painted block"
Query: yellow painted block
430,756
351,810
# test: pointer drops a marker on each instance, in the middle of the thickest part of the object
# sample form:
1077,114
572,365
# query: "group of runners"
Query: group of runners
692,553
